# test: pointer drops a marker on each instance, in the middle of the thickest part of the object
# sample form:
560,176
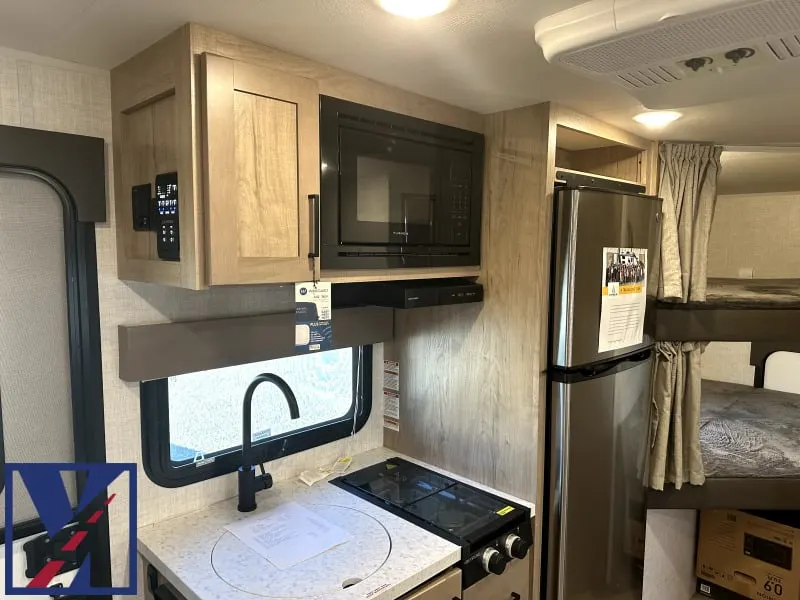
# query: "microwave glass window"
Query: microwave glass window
393,192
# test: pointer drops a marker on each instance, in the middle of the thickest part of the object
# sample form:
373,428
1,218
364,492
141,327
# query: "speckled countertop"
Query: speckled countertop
388,555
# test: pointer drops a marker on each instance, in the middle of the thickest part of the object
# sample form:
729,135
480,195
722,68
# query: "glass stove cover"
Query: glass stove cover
436,499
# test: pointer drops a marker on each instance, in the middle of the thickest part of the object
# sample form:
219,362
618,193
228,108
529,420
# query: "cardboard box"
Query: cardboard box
749,555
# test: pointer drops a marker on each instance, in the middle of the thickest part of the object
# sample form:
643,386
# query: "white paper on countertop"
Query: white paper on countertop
288,535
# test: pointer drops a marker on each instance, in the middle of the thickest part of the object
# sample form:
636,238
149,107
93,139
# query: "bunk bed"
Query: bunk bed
747,310
750,439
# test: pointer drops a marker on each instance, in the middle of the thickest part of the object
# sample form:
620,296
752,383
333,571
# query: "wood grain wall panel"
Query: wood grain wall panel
566,117
564,159
471,375
620,162
165,151
136,167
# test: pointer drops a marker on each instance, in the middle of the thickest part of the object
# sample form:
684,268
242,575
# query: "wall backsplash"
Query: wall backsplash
43,93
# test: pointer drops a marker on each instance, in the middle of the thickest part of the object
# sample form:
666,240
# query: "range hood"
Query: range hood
413,293
677,53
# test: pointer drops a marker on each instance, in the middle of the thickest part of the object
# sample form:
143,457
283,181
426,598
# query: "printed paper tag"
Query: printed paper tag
312,330
624,298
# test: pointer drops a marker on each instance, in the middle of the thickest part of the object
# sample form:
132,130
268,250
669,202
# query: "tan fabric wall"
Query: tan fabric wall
729,362
42,93
758,232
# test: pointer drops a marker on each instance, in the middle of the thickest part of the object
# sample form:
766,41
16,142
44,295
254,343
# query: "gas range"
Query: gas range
491,531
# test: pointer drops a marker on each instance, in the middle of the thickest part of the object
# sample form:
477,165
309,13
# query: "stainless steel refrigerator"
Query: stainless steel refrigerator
600,376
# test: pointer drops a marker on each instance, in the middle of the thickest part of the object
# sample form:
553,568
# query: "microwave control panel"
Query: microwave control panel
460,198
168,242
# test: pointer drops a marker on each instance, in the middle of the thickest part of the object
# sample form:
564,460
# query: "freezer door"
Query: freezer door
598,468
586,221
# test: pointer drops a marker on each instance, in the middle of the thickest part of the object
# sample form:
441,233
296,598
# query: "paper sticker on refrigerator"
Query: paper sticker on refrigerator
624,298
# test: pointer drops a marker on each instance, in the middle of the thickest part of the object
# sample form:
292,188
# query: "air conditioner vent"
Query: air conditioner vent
673,40
649,77
785,47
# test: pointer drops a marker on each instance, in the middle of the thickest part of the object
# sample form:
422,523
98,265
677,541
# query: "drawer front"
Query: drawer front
445,587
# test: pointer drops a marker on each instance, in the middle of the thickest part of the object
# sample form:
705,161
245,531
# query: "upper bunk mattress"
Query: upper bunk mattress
749,432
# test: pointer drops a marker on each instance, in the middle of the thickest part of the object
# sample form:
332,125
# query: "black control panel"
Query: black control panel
493,558
460,200
168,240
159,214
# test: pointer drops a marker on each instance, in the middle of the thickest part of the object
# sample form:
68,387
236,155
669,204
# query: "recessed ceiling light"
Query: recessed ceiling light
657,118
415,9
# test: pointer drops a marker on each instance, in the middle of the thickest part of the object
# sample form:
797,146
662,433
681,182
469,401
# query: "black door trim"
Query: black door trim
74,167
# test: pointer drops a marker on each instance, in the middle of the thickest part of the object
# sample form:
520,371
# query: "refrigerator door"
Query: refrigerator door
586,222
597,483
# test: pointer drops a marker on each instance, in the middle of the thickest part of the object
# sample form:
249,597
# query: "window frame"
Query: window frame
161,470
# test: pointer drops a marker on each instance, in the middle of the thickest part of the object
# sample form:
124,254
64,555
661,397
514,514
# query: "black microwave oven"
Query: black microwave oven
396,191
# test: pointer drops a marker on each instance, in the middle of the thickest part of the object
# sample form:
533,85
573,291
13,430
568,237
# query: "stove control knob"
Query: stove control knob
515,546
493,561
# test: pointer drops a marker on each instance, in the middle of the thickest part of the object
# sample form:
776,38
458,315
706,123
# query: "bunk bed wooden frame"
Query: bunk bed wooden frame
744,310
746,493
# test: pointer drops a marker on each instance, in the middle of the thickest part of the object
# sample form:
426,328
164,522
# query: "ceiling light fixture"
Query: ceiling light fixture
657,118
415,9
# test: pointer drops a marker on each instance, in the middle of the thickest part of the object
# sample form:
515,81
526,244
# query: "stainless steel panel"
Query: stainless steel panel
597,486
586,222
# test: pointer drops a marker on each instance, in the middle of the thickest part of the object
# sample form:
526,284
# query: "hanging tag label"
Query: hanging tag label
624,298
312,330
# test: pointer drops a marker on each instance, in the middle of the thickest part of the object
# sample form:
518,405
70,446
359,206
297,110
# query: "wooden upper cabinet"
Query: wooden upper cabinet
260,163
239,123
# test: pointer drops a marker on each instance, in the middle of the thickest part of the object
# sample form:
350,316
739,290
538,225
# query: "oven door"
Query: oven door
390,190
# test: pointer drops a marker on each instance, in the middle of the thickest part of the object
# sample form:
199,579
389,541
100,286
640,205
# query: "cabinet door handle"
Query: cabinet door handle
515,596
313,200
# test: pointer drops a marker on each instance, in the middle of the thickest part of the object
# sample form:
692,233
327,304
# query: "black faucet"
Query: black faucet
249,482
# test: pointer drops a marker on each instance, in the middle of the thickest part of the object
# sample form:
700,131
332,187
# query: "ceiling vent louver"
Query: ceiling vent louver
785,47
673,53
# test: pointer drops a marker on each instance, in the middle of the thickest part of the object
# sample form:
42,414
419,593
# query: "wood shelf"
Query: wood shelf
148,352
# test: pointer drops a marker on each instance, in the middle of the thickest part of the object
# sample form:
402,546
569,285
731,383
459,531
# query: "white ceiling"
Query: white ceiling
480,54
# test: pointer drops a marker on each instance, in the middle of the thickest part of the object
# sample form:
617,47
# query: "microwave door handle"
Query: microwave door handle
314,202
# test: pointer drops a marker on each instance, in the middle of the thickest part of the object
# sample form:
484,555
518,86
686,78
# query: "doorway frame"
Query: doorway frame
75,169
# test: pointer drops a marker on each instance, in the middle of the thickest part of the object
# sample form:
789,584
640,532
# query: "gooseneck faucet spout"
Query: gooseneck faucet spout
249,482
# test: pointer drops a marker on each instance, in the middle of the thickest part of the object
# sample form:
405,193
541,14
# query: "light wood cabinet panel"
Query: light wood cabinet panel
261,163
445,587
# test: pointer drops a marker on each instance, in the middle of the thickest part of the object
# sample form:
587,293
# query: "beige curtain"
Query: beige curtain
688,185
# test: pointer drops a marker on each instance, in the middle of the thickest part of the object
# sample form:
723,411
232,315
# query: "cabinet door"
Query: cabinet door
261,164
445,587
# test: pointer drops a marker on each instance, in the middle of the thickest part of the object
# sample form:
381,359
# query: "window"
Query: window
192,424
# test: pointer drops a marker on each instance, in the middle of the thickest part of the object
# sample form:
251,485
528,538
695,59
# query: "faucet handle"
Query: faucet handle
263,482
